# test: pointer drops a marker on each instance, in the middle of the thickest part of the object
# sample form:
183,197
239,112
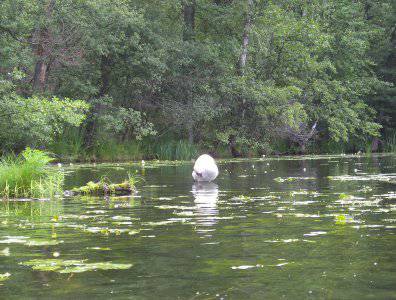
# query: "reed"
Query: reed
29,175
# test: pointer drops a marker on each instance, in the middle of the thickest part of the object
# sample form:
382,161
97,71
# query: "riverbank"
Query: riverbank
181,150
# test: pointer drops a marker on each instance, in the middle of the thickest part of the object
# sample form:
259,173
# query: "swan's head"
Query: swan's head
196,175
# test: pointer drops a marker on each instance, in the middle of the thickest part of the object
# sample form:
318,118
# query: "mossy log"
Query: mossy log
104,188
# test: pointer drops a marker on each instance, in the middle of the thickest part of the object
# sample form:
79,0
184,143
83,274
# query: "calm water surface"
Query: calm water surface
294,228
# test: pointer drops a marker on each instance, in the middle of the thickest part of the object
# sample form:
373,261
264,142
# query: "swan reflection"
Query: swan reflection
205,199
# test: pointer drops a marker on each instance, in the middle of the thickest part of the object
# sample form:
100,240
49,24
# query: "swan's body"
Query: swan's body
205,169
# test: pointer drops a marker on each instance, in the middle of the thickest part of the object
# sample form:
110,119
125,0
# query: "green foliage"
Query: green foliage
34,120
319,76
28,175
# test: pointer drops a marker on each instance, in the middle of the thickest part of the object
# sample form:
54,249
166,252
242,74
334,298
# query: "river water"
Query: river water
320,227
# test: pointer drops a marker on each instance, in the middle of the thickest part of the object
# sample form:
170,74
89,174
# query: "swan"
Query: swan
205,169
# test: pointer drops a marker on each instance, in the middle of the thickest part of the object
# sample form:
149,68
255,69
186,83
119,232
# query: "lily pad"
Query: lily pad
72,266
291,179
51,262
95,266
43,242
5,252
4,276
14,240
99,248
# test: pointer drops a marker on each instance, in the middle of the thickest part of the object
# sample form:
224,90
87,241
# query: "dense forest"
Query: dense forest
132,79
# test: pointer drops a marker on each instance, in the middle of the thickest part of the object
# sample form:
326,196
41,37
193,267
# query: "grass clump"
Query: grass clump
28,175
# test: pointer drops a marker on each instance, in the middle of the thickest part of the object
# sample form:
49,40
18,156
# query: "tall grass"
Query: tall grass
70,145
390,143
28,175
174,150
147,149
114,151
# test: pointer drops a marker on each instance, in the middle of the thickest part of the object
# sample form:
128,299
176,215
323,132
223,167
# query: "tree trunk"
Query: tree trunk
240,68
233,149
191,134
375,144
105,72
188,10
189,19
42,37
40,74
245,40
243,57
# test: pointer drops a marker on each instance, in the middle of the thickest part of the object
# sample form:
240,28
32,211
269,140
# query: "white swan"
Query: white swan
205,169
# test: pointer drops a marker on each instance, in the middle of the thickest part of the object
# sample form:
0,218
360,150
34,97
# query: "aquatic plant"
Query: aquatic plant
4,276
105,187
28,175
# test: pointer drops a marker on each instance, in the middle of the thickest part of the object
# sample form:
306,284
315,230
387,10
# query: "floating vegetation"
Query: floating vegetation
372,177
72,266
291,179
365,189
4,276
315,233
105,187
43,242
159,223
281,264
50,264
344,196
304,192
14,240
344,219
95,266
28,242
350,200
300,215
5,252
289,241
246,267
99,248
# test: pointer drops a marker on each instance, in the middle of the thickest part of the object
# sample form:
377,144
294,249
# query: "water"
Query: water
273,228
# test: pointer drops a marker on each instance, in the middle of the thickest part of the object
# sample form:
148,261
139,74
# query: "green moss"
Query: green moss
105,187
